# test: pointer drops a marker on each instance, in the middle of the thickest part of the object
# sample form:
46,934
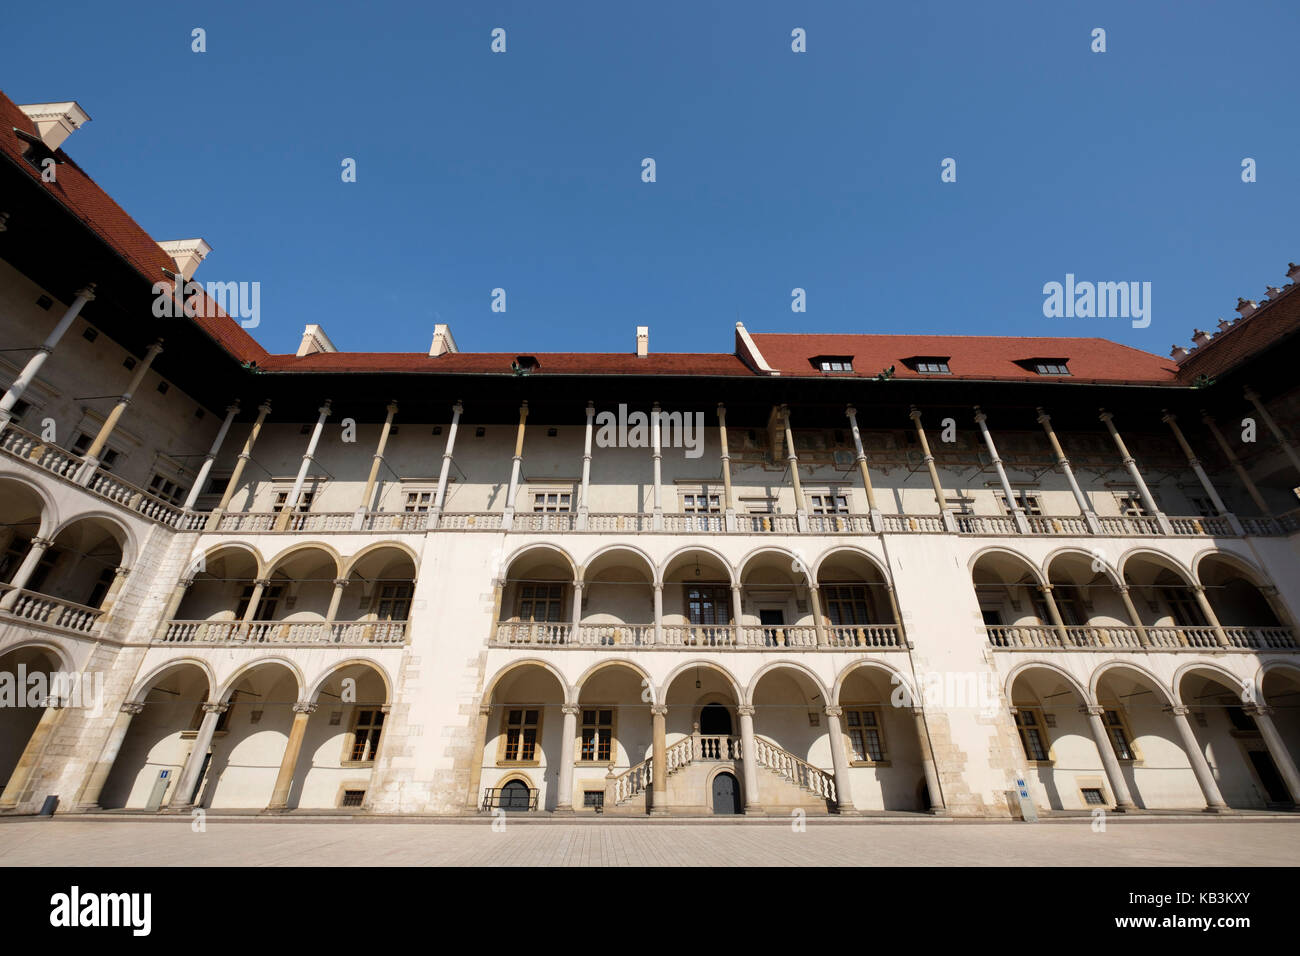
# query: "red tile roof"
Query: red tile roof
548,363
985,357
1245,338
83,197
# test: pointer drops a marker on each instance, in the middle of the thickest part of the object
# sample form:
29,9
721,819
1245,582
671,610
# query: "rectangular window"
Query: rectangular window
959,506
353,798
836,365
708,604
1033,736
597,735
541,602
1118,734
1051,368
163,487
552,501
1031,504
1093,796
1131,506
846,603
865,740
43,568
521,731
304,501
1183,608
418,502
365,735
393,603
830,504
1203,506
702,505
266,608
933,366
20,408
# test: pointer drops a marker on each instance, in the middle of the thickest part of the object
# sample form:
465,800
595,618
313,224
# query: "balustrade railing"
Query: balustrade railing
985,524
616,635
56,612
797,771
283,632
699,635
863,635
532,633
782,635
544,521
715,747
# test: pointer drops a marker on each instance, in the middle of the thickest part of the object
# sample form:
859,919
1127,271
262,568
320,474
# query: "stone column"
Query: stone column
1235,462
24,573
33,366
88,799
1013,503
659,760
1195,464
576,626
1055,614
898,615
1134,618
1200,766
302,712
656,439
937,804
659,613
250,612
1252,396
1106,750
749,756
90,460
1136,474
729,503
949,524
508,514
18,780
877,523
215,519
367,495
476,761
1085,508
584,496
197,488
291,502
336,598
737,610
839,760
183,796
1219,634
564,798
815,602
1276,749
441,495
792,461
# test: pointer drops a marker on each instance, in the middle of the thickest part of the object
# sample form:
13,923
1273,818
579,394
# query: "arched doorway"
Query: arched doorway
514,796
726,794
715,720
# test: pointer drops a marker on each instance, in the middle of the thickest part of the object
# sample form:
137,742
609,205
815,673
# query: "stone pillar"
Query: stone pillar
88,799
815,602
18,780
1085,508
1253,397
367,495
215,519
1200,766
839,760
183,795
197,488
302,712
898,614
291,502
937,804
336,598
656,439
1204,603
659,760
564,798
584,496
1235,462
255,599
24,573
1195,464
1013,503
729,503
508,514
1106,750
949,524
476,761
749,756
90,460
1134,618
792,460
33,366
877,523
1276,749
1136,474
659,613
737,610
1055,614
441,495
576,626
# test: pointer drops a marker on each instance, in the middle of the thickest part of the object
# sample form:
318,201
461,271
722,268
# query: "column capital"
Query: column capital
121,571
1043,417
304,707
523,408
87,292
233,408
659,585
920,711
1178,710
341,582
659,710
745,710
324,410
391,407
1120,588
1105,416
980,417
1250,394
914,414
485,710
154,348
264,409
1168,417
1092,710
132,708
458,408
591,409
262,582
42,543
1257,710
850,411
834,710
569,710
722,410
211,708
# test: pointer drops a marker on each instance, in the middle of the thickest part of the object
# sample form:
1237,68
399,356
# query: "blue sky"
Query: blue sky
775,170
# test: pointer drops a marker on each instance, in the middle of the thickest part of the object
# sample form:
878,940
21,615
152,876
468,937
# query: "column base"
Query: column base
755,811
1217,810
939,812
563,812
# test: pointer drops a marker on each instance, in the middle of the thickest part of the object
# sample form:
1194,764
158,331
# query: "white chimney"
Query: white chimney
1200,337
188,254
314,340
1178,353
1224,325
1246,307
1272,292
443,343
1293,272
55,122
642,341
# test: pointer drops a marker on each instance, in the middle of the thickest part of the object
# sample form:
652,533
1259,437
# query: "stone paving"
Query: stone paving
233,842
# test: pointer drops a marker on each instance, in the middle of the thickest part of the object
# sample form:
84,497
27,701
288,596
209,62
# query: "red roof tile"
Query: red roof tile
548,363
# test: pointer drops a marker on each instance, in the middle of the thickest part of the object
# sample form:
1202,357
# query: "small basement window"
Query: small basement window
1094,797
353,798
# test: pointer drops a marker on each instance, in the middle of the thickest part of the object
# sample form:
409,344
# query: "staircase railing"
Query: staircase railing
797,771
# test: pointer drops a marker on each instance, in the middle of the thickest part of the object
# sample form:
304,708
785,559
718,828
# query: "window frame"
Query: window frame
503,760
374,736
877,724
611,741
1039,724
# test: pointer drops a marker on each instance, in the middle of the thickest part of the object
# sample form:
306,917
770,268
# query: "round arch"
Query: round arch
350,563
1008,553
1163,561
243,547
489,689
1211,671
771,666
645,559
1128,667
121,533
1073,551
797,564
251,666
726,675
881,666
1272,667
49,510
378,668
1072,681
60,656
622,662
543,547
1245,566
274,563
145,684
841,549
727,566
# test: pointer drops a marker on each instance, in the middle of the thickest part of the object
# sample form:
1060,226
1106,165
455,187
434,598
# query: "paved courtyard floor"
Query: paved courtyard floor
232,842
